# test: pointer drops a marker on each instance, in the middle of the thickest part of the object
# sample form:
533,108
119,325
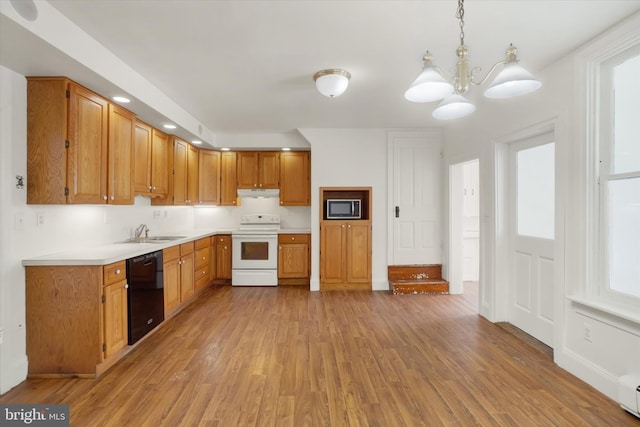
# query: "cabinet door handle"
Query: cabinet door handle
397,211
126,286
104,197
118,271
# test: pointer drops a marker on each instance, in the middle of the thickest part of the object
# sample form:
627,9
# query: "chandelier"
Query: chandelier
431,85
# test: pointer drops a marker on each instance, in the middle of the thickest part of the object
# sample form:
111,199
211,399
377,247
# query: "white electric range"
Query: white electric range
254,260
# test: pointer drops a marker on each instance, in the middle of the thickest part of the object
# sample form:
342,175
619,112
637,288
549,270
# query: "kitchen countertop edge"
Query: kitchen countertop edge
114,252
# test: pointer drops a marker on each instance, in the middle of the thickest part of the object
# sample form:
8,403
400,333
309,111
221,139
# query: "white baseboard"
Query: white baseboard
603,381
13,374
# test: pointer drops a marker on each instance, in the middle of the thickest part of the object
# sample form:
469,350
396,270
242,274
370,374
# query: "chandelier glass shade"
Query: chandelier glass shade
431,85
332,82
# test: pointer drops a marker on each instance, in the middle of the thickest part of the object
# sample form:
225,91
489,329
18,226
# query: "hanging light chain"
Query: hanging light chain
460,16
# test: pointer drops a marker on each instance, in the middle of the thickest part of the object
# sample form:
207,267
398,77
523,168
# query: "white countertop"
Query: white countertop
114,252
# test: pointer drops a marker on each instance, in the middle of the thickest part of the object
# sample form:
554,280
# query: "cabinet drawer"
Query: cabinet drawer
171,253
186,248
223,240
115,272
293,238
203,243
202,277
203,256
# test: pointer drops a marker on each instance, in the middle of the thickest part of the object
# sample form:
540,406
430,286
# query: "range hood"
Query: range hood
259,193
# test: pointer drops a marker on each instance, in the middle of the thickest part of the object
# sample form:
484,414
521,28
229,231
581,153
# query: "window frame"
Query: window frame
601,109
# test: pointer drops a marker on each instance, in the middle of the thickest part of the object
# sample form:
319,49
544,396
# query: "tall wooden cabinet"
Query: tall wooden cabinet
345,245
79,146
295,178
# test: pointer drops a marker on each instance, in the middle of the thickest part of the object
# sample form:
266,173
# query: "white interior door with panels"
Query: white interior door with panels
531,235
415,198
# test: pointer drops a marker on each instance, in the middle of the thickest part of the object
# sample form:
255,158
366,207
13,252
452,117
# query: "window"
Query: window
618,114
536,191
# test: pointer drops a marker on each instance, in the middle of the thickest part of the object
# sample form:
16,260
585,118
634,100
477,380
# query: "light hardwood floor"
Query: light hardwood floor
289,357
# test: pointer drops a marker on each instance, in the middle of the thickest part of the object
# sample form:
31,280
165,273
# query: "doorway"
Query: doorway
464,223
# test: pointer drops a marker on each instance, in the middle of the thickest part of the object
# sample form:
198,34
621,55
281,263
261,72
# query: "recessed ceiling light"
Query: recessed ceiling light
121,99
225,149
169,126
197,142
286,149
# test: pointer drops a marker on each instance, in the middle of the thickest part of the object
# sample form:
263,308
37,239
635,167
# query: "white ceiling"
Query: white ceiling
247,66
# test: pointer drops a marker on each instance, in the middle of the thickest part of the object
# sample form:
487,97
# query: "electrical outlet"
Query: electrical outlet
40,219
18,221
588,335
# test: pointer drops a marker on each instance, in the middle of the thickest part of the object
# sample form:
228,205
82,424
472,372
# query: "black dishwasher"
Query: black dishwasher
145,294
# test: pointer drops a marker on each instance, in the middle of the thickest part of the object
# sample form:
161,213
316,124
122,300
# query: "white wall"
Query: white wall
350,158
615,348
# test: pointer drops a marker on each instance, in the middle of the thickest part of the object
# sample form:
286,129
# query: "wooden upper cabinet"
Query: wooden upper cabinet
180,153
258,169
161,157
87,152
120,156
182,173
228,189
208,177
142,159
192,175
295,178
79,146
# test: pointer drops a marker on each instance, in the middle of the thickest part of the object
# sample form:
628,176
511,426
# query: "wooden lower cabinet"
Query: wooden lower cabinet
202,262
293,259
179,283
345,255
223,258
114,298
76,318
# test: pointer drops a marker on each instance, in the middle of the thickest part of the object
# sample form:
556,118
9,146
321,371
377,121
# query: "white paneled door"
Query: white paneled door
415,200
532,229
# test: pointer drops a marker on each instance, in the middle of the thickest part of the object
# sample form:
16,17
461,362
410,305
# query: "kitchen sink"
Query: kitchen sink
155,239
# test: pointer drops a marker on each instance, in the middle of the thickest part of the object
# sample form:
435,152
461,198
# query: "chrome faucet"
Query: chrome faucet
142,228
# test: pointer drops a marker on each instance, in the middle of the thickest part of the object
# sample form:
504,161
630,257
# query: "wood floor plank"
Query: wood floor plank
289,357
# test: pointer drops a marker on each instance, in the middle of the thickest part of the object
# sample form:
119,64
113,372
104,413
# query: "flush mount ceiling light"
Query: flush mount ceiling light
332,82
431,85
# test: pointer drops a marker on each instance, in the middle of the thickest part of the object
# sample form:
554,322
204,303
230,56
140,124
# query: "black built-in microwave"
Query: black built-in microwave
344,208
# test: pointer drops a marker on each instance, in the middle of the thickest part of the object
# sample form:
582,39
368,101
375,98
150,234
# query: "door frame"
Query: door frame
501,238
